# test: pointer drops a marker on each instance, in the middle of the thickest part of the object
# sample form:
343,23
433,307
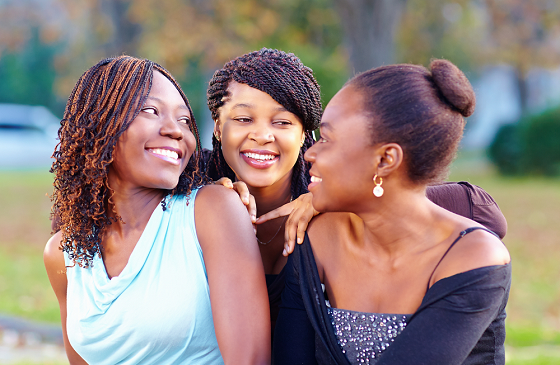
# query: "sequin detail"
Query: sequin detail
364,336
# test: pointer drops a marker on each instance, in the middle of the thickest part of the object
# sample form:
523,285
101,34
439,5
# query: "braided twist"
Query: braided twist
291,84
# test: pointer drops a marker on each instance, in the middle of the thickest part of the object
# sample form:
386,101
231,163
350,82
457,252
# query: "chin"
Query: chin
319,205
168,184
257,181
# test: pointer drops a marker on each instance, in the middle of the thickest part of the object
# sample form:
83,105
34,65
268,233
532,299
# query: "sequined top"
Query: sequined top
461,316
364,336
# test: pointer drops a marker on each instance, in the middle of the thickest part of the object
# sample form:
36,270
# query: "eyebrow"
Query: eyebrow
252,106
182,106
326,125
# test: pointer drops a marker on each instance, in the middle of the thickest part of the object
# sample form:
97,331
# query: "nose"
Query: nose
261,133
171,128
310,154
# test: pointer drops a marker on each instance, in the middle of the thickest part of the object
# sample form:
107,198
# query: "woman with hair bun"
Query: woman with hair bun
405,281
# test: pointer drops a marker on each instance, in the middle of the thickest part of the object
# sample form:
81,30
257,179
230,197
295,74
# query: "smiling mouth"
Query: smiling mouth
259,157
165,152
315,179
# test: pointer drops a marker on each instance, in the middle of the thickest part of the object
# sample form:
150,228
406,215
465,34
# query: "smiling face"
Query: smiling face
260,138
344,160
157,145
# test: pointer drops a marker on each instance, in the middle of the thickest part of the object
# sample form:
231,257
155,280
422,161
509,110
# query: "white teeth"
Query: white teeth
166,153
257,156
316,179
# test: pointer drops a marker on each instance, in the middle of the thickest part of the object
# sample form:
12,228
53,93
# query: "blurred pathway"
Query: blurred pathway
30,342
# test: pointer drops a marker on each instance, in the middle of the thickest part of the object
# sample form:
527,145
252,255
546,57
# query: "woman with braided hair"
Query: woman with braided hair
266,105
139,266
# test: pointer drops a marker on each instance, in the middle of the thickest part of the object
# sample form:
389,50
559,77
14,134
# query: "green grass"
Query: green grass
25,227
532,209
531,206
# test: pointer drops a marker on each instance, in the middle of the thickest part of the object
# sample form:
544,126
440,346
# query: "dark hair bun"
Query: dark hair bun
454,86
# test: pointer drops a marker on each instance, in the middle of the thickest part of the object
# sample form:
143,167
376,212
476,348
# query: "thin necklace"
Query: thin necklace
276,234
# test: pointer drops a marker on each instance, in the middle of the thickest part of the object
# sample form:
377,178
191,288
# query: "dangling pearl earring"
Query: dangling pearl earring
378,190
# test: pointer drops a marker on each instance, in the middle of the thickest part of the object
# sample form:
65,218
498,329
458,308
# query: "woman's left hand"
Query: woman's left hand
301,212
243,191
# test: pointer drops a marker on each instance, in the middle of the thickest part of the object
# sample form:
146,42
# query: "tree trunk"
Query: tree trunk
523,88
370,27
125,33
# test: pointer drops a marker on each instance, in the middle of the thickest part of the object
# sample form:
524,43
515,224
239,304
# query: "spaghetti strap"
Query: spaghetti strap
461,235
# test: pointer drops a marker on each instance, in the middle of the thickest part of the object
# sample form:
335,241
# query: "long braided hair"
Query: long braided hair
104,102
291,84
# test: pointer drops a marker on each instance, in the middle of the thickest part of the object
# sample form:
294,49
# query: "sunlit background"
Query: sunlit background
509,49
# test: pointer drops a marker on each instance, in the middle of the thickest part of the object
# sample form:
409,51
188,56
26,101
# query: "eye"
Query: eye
185,120
149,110
243,119
282,122
322,140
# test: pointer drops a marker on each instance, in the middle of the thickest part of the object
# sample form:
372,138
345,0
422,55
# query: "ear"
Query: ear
217,130
390,157
302,139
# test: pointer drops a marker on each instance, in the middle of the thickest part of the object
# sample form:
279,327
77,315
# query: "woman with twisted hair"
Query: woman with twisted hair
139,265
405,281
266,105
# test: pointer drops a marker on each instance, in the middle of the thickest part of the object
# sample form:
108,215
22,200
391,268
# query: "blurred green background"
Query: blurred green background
509,49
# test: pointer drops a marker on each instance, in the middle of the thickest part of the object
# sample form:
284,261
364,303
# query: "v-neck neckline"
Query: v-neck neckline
137,256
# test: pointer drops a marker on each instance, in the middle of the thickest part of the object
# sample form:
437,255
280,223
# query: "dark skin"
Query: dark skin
379,256
148,159
251,123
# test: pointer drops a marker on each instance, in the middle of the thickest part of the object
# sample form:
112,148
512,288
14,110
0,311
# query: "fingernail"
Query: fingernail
253,218
284,253
299,240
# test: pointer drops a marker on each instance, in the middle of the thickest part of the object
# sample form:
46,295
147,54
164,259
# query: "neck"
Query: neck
134,207
274,196
402,220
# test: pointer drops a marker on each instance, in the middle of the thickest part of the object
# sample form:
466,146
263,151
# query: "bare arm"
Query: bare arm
56,270
235,276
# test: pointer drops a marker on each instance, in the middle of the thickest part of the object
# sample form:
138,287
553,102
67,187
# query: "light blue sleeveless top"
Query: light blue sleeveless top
157,311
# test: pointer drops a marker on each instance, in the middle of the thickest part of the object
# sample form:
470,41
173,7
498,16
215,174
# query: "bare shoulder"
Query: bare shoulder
217,198
55,266
52,255
220,216
474,250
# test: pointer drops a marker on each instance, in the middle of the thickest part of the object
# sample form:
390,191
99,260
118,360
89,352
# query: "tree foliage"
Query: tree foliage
192,38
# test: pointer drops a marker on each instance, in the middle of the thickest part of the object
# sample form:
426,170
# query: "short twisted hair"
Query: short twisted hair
282,76
104,102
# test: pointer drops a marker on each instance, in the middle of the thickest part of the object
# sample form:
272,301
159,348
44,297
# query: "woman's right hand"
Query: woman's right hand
300,213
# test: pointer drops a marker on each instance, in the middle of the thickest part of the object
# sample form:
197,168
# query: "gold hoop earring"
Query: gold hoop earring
378,190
